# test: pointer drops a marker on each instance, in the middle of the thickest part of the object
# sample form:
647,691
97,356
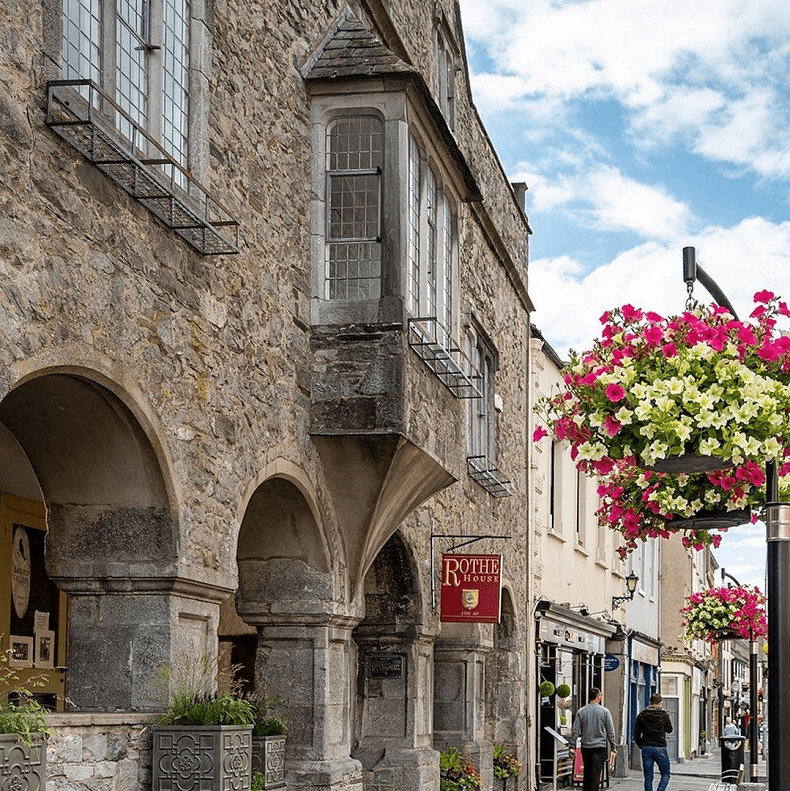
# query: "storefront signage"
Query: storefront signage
471,588
20,570
611,662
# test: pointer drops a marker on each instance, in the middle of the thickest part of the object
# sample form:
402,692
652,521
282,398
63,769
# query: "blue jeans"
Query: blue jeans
660,756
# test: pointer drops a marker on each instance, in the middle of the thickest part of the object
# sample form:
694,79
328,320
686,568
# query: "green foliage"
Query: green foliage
457,772
268,722
563,691
258,780
505,764
25,719
546,689
189,697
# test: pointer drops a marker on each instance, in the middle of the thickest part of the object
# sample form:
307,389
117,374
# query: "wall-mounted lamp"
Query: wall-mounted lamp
631,581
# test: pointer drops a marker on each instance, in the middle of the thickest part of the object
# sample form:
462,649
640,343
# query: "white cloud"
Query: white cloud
604,199
744,259
714,70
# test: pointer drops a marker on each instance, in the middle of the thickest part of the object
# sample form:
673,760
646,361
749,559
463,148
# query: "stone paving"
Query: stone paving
699,774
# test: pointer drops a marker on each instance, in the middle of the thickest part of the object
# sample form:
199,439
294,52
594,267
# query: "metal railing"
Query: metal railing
85,117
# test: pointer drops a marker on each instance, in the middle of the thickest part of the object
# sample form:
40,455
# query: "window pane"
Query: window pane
131,73
175,79
414,228
81,36
354,160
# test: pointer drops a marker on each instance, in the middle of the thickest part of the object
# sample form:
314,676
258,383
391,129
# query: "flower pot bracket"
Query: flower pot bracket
712,520
689,463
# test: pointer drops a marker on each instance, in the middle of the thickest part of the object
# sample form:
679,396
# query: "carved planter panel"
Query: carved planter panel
208,758
268,758
22,767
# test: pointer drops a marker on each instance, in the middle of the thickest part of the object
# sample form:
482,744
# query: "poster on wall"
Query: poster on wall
471,590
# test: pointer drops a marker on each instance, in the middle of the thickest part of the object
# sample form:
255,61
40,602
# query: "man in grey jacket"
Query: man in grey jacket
593,724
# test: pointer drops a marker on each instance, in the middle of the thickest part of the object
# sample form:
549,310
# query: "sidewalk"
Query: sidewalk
695,775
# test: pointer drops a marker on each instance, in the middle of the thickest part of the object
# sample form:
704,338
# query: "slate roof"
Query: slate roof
351,50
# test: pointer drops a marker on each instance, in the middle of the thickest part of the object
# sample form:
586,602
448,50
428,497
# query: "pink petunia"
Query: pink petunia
539,433
653,335
670,350
610,425
630,313
764,296
615,392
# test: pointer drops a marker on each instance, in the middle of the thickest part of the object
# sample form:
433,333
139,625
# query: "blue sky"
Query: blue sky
642,127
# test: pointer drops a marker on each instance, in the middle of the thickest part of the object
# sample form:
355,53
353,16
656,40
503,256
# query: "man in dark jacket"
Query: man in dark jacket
652,726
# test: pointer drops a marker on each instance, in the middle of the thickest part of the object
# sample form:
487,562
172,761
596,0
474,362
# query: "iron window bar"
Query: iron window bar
451,366
489,477
139,165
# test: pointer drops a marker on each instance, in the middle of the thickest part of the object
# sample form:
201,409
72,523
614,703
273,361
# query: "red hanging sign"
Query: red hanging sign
471,588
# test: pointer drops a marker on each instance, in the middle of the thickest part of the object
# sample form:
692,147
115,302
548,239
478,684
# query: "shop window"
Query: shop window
33,614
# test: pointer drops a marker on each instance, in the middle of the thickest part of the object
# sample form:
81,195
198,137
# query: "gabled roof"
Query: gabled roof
351,50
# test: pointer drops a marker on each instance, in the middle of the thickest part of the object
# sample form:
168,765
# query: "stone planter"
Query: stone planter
192,758
268,758
22,767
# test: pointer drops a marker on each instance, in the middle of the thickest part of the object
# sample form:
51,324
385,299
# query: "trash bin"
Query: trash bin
732,758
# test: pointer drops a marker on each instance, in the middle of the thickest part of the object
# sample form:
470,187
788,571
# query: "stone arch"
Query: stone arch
111,535
282,552
392,713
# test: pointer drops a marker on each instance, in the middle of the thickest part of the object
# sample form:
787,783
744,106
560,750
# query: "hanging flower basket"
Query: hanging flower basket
642,504
725,613
701,386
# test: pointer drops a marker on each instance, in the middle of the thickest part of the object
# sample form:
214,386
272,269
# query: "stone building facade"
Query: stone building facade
265,341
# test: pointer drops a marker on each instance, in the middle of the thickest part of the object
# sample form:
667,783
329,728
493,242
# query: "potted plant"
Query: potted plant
546,689
722,613
268,742
506,765
204,738
23,732
457,772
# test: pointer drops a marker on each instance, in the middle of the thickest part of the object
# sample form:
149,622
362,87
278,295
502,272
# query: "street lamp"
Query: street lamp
753,776
631,581
777,536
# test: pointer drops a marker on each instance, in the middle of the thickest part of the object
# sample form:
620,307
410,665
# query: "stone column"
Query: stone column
307,661
459,698
394,721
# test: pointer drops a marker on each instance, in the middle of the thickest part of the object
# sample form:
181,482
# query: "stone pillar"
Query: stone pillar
308,663
120,636
459,699
394,722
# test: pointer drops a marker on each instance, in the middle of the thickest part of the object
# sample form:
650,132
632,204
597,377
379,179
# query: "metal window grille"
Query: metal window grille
449,363
154,181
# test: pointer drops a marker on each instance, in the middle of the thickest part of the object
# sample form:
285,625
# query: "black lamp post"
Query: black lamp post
753,776
631,581
777,529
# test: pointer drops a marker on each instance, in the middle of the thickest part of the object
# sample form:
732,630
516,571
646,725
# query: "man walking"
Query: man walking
593,724
650,734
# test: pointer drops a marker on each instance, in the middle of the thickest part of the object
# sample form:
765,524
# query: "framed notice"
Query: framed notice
21,651
471,589
45,648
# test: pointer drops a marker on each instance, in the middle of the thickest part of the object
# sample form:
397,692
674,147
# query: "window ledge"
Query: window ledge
489,477
447,362
141,166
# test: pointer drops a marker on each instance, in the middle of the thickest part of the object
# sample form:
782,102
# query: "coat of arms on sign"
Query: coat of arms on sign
470,598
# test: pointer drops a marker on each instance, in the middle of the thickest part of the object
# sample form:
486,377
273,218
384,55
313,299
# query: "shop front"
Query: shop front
570,651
